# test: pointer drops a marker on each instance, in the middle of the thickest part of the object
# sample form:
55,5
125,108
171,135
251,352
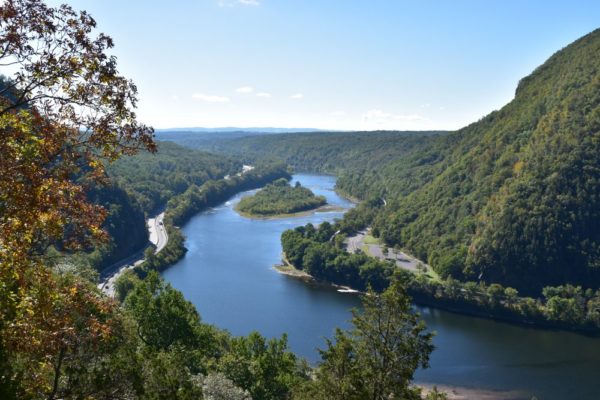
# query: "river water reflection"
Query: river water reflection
227,273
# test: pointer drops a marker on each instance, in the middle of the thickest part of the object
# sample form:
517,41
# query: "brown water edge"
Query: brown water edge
466,393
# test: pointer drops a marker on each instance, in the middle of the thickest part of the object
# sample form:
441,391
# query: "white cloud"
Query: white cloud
210,98
263,95
249,2
338,113
296,96
376,114
245,89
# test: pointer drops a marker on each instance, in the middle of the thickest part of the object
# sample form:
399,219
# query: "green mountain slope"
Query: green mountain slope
516,196
331,152
512,198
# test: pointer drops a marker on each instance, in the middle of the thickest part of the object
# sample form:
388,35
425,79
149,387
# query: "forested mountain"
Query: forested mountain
513,198
143,183
318,151
154,178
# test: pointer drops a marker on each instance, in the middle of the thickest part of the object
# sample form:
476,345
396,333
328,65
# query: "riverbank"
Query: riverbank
466,393
321,209
289,270
476,298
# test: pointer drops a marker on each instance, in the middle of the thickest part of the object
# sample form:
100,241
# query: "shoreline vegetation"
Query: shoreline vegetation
322,209
322,254
180,209
279,199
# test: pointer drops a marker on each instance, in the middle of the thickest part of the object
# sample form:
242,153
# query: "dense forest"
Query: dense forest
60,337
153,179
279,198
333,152
139,186
321,252
510,199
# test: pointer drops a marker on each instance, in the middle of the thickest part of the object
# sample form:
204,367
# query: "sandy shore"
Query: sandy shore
465,393
291,271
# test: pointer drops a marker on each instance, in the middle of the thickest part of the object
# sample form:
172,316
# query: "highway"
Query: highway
158,237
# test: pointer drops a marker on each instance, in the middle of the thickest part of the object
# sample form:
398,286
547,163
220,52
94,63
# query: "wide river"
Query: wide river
228,274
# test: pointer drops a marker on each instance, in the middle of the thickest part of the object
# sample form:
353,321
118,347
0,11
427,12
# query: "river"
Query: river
228,274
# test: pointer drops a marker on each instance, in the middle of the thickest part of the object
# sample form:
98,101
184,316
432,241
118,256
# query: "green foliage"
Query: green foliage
377,358
153,179
164,317
513,198
313,251
329,152
266,369
197,198
567,306
280,198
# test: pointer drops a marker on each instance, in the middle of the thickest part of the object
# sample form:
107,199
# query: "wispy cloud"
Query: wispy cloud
263,95
245,89
231,3
376,114
296,96
380,116
210,98
338,113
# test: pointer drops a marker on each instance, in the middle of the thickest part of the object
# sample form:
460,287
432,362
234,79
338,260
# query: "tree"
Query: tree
266,369
164,316
377,358
216,386
64,111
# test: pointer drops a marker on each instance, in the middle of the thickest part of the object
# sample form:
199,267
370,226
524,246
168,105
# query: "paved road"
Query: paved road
158,237
158,233
402,260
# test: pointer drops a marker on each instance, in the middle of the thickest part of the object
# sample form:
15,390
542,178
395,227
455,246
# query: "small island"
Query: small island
280,199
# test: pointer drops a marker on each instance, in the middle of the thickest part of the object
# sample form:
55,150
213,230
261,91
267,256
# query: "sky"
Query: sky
332,64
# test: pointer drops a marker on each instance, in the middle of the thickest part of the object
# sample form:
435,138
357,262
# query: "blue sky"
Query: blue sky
332,64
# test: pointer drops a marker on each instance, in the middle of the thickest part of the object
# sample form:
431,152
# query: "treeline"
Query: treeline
330,152
280,197
153,179
513,198
125,224
197,198
321,253
140,185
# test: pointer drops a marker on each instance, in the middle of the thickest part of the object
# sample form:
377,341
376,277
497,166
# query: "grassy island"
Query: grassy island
280,199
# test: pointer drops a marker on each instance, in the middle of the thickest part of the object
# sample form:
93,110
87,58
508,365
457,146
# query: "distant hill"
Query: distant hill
331,152
203,138
231,129
513,198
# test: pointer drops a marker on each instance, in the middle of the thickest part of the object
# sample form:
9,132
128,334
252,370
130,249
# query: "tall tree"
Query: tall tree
377,358
64,111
